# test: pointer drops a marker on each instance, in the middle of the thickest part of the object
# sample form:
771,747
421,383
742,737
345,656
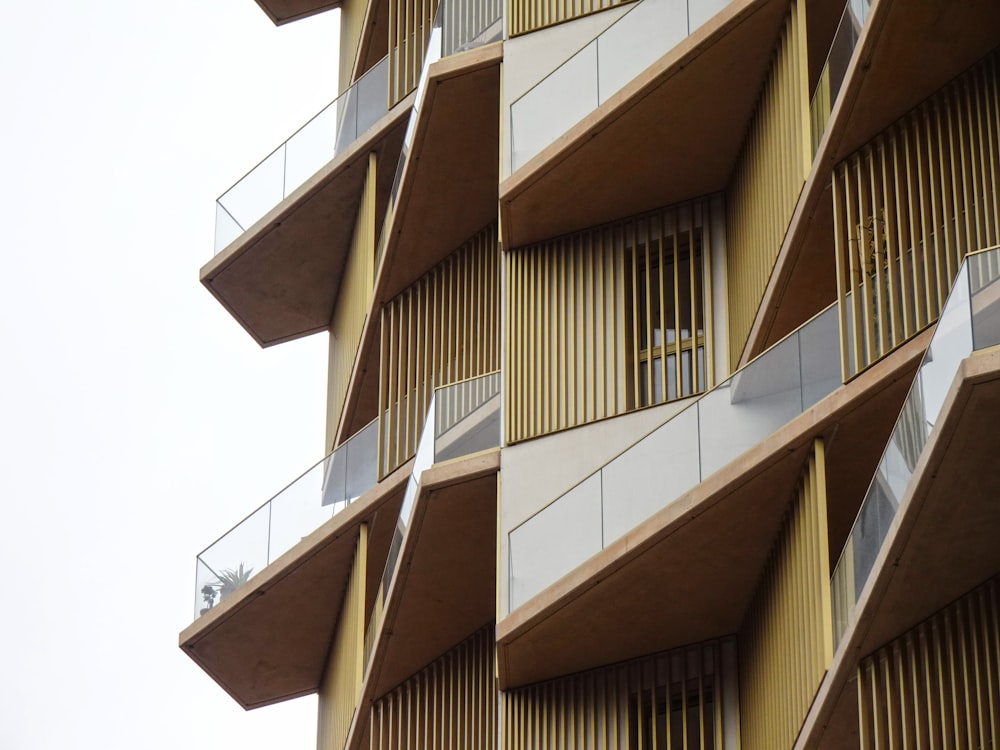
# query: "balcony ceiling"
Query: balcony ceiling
678,126
269,641
281,277
908,51
285,11
708,548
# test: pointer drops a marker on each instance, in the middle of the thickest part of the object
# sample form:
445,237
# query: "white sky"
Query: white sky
138,421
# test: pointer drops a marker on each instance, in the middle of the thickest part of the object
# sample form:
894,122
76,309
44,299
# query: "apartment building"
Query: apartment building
663,380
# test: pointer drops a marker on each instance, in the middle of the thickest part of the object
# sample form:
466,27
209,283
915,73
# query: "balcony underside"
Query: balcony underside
678,126
688,572
942,544
281,277
448,193
285,11
269,640
445,584
908,51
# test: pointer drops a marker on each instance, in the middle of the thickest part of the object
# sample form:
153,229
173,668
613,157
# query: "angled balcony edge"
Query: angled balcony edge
685,116
268,641
436,212
931,533
285,11
442,590
280,278
719,534
897,38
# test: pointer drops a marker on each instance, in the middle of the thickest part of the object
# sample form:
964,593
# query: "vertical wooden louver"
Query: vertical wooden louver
786,640
908,206
443,328
451,703
409,30
341,685
674,700
769,175
531,15
938,685
608,320
353,301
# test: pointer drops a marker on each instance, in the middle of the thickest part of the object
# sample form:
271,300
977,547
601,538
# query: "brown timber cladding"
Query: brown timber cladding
786,640
443,328
768,177
938,685
668,701
908,206
353,301
451,703
341,685
531,15
608,320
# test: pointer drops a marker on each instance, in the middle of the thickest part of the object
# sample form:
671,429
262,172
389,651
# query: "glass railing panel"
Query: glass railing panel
600,69
467,417
233,559
820,357
554,104
371,94
298,510
635,41
555,541
834,70
701,10
752,404
227,228
661,467
952,342
984,282
258,192
302,155
711,432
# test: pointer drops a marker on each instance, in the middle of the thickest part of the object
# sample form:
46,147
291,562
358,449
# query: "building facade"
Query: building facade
663,380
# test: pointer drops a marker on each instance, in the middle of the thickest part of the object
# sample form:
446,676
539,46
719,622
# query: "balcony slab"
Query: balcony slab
281,277
941,544
285,11
447,193
445,584
268,641
706,549
679,125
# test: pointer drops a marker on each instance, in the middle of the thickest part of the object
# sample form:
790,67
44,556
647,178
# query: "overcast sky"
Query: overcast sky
138,421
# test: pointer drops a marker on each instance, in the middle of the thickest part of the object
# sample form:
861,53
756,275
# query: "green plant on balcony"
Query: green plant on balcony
226,582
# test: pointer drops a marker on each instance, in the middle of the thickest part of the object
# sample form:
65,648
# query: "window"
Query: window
668,317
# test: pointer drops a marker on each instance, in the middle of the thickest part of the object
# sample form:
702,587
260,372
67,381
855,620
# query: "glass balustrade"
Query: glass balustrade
328,133
462,418
831,77
280,523
970,321
713,430
600,69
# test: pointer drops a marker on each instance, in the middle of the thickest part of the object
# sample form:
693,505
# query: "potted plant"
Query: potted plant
225,583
